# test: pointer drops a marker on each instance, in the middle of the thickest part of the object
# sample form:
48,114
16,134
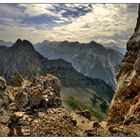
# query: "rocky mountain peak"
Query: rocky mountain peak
95,44
18,41
24,44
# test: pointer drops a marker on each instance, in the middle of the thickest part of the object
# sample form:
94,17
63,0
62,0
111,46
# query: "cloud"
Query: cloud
10,11
52,13
103,23
40,20
72,11
108,24
36,9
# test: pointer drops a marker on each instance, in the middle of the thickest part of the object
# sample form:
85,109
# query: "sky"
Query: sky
108,24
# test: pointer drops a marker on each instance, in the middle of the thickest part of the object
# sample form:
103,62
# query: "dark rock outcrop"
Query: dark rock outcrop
3,99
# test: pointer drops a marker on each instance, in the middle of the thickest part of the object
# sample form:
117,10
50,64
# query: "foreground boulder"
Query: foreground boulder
39,94
35,109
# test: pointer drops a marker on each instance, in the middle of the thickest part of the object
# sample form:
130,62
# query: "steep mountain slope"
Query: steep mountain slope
22,58
90,59
125,106
117,48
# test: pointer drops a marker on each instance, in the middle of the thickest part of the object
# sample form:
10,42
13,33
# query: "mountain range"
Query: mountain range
78,91
117,48
91,59
5,43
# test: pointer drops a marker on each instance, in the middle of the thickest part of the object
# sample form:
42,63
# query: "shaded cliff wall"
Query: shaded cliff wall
125,106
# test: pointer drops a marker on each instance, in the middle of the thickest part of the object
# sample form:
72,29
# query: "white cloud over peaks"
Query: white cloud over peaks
108,24
36,9
104,23
10,11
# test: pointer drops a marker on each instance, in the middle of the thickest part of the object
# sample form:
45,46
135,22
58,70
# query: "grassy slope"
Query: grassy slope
80,99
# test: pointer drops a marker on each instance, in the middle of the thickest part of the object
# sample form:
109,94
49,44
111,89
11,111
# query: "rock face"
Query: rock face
3,99
41,93
91,59
125,106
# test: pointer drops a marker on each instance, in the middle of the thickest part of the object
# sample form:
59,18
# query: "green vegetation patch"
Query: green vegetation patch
78,105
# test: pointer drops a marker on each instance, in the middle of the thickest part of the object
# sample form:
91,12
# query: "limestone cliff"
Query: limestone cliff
125,106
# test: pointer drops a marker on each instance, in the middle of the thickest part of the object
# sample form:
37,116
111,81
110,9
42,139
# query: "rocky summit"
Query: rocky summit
35,109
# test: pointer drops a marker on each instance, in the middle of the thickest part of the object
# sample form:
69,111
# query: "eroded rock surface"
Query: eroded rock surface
35,109
53,122
125,107
39,94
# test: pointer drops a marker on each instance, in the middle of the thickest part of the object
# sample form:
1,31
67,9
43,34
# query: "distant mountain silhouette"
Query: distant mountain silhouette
91,59
117,48
5,43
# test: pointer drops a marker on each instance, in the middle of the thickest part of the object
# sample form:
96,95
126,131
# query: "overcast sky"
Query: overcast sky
108,24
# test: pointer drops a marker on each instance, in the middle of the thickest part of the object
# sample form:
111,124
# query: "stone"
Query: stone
96,124
35,96
21,100
85,113
3,83
19,114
